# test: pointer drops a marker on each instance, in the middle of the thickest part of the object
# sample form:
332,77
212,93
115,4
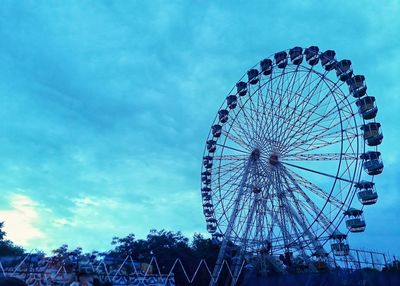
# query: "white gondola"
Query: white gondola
281,59
216,130
205,191
367,107
208,209
344,71
206,177
296,55
366,192
266,66
231,101
372,133
211,146
223,115
241,88
339,244
357,86
252,76
207,162
355,221
211,225
216,237
311,54
372,164
328,60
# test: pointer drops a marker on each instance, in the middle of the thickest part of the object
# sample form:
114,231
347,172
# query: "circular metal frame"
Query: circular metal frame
280,165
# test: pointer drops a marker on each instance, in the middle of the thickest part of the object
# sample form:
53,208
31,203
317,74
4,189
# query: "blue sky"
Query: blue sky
105,107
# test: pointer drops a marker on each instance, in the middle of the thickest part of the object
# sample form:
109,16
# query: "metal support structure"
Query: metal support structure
221,254
240,258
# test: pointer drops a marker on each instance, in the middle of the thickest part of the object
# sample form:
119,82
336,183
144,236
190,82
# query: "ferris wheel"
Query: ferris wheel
290,147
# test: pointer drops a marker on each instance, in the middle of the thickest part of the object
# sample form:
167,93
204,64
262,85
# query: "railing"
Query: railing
48,273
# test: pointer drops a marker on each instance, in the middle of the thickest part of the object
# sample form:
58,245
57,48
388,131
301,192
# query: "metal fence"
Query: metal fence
47,272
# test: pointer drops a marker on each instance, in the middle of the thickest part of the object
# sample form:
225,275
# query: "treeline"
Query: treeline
7,247
165,245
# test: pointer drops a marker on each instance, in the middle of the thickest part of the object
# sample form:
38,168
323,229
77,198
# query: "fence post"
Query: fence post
358,260
372,258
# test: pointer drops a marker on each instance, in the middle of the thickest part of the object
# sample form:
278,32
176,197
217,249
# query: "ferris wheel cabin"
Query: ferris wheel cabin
216,130
211,146
372,164
281,59
311,54
241,88
357,86
296,55
372,134
216,237
344,71
231,101
266,66
339,244
208,208
252,76
211,225
328,60
206,177
367,107
355,221
207,161
223,115
366,192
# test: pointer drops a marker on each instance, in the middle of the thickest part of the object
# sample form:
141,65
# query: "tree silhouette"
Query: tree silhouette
7,247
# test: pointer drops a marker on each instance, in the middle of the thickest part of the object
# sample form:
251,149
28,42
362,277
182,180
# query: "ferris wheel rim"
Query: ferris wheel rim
357,171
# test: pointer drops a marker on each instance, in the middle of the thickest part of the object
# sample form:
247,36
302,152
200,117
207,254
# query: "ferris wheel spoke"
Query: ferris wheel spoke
312,112
322,102
329,116
320,130
230,196
323,139
320,157
244,122
239,133
309,206
312,147
318,213
285,95
298,212
254,107
301,104
231,157
281,221
270,198
228,166
298,102
235,139
232,148
301,181
238,128
275,100
317,172
226,174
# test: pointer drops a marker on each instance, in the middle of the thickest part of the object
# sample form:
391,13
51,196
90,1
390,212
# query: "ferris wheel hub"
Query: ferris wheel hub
255,154
273,159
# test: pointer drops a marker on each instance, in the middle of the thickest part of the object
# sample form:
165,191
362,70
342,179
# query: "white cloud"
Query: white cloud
21,220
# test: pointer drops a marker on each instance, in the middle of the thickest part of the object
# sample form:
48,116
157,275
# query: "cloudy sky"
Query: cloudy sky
105,107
